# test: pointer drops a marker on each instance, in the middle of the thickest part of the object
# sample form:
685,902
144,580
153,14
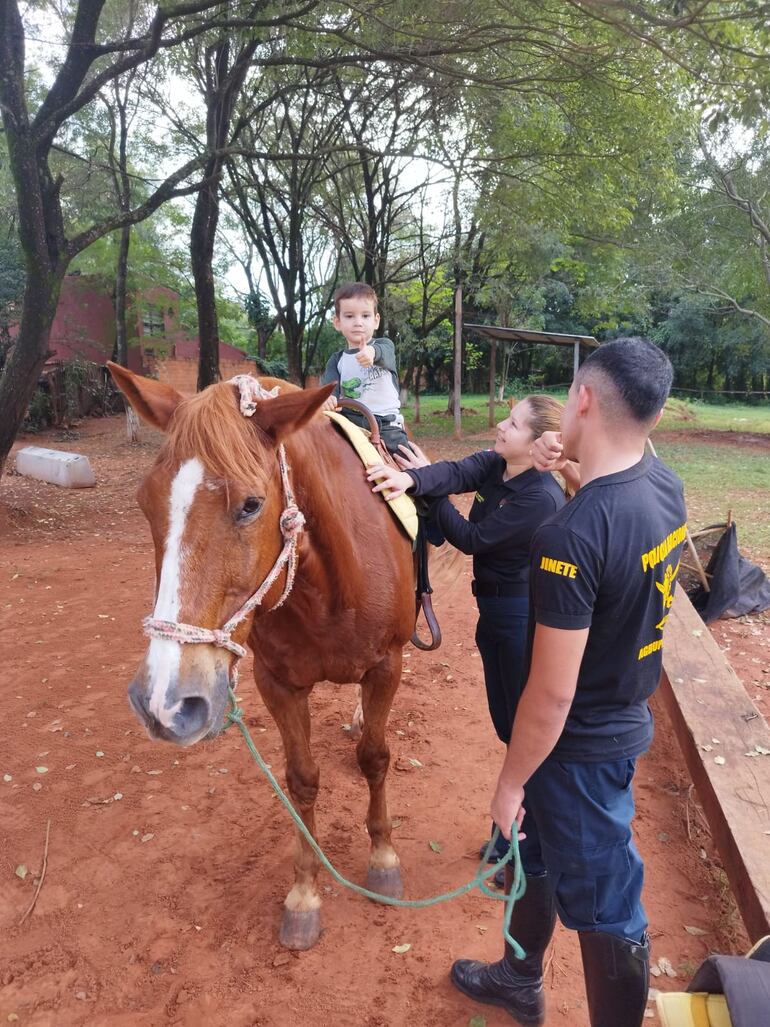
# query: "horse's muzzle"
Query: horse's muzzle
196,715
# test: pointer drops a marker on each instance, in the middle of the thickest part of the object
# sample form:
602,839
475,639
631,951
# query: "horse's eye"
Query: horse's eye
250,508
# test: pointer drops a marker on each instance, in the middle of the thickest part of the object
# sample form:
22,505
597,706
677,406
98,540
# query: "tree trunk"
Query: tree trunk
120,355
28,356
294,354
202,236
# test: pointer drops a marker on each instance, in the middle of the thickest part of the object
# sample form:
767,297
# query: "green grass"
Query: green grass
680,415
717,478
721,478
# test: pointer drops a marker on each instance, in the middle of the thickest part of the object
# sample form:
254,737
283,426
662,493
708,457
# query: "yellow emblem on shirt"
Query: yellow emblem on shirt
561,567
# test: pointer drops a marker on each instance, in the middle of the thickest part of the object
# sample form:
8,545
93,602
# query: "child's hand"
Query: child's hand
396,482
330,403
411,456
365,356
547,452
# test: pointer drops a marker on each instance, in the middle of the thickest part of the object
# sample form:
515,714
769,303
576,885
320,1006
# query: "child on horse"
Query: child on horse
366,369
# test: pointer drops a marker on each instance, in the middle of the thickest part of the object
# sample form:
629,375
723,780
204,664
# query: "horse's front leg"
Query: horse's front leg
301,922
378,687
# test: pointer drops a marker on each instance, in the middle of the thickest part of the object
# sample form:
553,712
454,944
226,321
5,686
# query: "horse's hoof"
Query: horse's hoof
385,881
300,930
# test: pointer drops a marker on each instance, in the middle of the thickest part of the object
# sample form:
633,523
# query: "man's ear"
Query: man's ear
586,398
282,415
153,401
657,418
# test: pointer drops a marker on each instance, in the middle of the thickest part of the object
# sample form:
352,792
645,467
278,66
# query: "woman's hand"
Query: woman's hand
394,482
330,403
411,457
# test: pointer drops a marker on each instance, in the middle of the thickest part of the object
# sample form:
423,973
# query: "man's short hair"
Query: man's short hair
354,291
639,375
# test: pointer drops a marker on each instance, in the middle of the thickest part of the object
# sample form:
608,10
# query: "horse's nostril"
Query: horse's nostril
192,716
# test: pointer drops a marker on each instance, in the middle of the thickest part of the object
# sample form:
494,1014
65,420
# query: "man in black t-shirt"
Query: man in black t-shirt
602,578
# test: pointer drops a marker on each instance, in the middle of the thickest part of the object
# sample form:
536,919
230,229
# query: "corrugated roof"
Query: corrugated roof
526,335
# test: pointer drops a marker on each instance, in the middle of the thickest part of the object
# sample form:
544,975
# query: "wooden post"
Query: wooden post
576,359
458,360
492,369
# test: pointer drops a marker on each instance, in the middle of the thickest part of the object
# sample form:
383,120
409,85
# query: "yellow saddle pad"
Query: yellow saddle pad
693,1009
402,506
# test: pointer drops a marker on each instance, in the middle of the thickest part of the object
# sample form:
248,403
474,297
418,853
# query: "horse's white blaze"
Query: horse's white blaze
164,656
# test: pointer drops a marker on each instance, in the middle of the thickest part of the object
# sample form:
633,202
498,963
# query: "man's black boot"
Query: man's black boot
617,974
516,985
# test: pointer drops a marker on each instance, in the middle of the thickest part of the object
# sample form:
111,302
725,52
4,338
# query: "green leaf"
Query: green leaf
435,846
477,1021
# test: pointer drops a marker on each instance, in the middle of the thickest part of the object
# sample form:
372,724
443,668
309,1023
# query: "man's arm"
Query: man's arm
542,712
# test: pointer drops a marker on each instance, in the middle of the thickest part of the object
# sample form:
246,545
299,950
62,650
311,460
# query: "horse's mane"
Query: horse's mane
210,426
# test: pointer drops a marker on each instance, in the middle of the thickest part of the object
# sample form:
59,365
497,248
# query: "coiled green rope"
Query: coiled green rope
485,871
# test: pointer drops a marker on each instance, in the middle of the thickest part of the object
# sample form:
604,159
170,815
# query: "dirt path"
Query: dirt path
167,868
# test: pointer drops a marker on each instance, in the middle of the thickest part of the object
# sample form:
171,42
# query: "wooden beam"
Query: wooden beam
705,701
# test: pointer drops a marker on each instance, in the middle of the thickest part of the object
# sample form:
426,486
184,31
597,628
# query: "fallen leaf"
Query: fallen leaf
414,762
696,932
666,967
720,760
401,949
435,846
42,770
477,1021
147,837
21,871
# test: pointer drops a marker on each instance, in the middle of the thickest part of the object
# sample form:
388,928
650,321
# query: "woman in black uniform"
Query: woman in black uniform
512,500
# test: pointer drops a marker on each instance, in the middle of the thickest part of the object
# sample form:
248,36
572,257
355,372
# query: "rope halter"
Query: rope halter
291,523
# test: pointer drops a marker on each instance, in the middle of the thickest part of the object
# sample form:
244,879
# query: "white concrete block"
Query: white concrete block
70,470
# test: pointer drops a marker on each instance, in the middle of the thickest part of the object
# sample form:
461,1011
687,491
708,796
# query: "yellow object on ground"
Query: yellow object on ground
402,506
683,1009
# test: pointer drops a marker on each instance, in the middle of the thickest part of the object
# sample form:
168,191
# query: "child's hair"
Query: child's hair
544,414
352,291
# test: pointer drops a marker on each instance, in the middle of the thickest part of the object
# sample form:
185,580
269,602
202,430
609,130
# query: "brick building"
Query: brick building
84,328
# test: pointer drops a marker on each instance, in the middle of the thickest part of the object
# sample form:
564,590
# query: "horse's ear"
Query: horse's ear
153,401
282,415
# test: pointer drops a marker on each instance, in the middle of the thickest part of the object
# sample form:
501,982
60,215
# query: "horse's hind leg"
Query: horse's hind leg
301,922
378,688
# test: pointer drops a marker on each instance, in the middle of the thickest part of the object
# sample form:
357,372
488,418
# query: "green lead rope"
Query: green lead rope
485,871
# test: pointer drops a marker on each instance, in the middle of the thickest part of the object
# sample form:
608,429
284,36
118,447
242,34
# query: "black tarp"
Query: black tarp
745,983
737,585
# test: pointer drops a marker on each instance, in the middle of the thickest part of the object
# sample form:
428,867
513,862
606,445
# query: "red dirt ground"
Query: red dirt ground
167,868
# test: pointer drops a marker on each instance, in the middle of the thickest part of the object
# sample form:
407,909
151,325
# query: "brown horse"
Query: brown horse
214,500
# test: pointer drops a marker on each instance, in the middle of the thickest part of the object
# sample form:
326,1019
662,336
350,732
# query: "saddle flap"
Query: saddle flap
402,506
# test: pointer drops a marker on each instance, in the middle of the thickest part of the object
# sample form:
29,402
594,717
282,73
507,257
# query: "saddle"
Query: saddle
371,450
